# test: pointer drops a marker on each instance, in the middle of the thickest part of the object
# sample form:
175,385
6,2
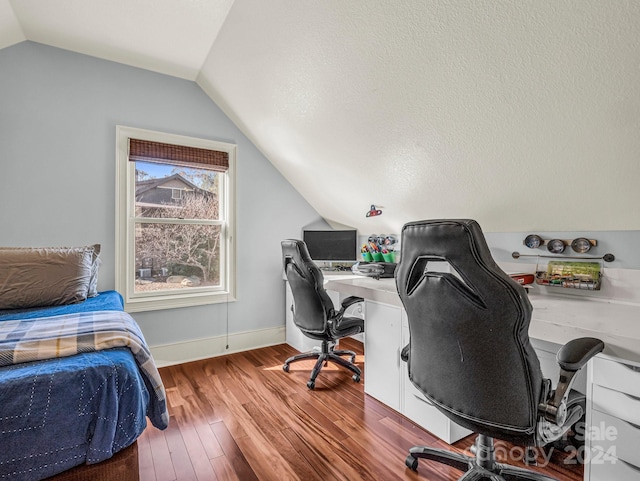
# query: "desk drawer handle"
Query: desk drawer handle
630,396
629,465
632,368
628,423
635,426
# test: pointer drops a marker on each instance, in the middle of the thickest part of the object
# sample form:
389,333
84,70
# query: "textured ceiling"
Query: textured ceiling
523,115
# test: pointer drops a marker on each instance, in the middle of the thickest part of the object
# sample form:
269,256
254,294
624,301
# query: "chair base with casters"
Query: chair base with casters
326,354
481,466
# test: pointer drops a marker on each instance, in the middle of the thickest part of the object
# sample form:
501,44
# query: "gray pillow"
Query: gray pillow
95,248
45,276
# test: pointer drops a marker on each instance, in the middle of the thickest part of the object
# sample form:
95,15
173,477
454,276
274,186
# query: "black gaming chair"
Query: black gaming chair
314,313
469,350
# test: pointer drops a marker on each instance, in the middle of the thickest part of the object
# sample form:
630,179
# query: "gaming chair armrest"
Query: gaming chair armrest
337,316
350,301
577,352
571,357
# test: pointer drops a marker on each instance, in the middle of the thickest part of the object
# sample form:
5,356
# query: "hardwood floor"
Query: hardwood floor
240,417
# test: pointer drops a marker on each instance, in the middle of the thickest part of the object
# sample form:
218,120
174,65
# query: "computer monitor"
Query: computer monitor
331,245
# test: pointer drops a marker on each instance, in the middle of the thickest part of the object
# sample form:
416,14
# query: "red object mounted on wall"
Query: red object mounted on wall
523,279
374,211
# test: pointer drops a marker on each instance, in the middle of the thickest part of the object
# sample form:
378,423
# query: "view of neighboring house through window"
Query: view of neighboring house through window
176,193
176,220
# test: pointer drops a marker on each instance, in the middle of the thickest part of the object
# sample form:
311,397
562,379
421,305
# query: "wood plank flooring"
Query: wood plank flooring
240,417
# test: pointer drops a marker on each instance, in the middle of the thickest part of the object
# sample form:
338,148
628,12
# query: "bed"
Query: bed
77,384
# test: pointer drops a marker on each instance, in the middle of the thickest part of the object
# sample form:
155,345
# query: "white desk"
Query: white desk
556,319
612,381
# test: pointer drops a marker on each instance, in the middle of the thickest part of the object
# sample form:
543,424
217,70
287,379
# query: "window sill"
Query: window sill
156,303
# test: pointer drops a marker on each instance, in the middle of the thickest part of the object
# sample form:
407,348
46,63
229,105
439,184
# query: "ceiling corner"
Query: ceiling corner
10,29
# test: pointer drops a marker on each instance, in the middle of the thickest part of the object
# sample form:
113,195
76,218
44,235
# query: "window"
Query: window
174,220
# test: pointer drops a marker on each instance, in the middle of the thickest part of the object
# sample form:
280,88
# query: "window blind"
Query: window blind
159,152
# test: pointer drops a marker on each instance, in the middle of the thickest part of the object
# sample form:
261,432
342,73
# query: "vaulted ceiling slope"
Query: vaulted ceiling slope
523,115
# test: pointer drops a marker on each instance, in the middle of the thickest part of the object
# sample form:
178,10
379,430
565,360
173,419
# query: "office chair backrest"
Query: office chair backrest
313,306
469,350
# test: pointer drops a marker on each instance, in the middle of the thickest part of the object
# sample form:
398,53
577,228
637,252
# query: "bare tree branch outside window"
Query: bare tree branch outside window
171,255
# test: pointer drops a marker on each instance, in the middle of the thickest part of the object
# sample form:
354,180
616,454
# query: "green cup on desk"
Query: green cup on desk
389,256
366,256
377,256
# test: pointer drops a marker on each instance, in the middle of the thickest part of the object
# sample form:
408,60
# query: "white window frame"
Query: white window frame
126,221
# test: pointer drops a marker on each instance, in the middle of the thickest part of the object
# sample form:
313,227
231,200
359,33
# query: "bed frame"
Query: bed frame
122,466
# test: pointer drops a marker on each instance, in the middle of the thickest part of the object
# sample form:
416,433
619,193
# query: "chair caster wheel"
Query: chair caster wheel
285,368
311,385
356,378
412,463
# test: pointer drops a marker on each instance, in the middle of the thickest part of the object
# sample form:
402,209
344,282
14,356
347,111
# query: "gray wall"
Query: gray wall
58,113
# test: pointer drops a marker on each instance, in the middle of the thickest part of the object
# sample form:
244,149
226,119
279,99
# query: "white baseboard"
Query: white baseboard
186,351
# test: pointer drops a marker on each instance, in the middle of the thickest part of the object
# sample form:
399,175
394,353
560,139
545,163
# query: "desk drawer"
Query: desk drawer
606,470
427,416
616,437
616,375
618,404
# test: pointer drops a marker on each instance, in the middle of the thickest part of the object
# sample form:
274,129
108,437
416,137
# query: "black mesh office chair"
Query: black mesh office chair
314,313
469,350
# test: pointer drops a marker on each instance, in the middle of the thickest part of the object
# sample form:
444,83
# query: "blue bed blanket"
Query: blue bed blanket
104,301
81,408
